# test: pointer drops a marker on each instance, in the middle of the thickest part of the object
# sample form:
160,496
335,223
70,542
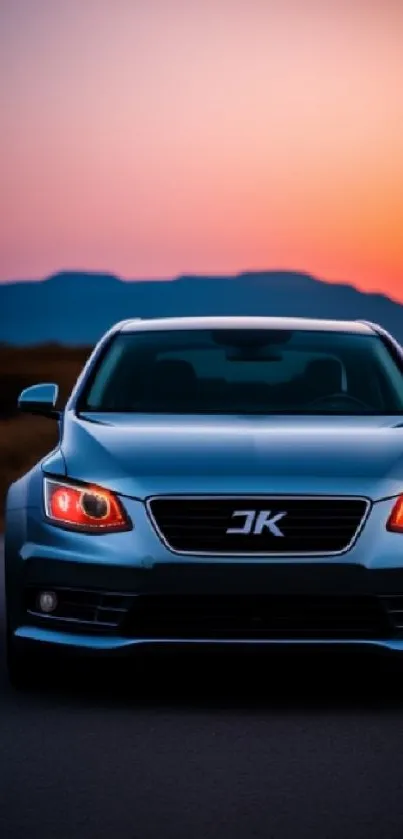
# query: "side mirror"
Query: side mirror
40,400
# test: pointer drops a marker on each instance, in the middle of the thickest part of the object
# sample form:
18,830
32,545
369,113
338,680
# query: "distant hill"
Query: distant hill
76,308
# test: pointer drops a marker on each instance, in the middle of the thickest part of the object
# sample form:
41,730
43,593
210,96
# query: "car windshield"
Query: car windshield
245,371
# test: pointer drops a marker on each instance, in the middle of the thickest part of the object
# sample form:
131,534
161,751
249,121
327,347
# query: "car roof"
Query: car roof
228,322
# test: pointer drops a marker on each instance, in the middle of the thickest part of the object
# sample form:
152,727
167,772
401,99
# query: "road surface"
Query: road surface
206,754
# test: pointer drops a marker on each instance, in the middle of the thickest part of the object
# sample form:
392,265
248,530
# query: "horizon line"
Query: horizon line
155,279
195,275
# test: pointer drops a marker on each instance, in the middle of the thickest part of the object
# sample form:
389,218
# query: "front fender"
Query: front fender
23,497
55,463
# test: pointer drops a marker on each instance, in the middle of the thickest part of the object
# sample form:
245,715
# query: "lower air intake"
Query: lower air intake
256,617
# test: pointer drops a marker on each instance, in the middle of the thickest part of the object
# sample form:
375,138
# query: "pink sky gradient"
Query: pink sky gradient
156,137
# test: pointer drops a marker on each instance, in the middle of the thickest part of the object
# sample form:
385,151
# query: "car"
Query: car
218,481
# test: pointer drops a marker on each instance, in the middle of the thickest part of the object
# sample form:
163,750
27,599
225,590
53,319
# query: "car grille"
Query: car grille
256,617
308,526
393,604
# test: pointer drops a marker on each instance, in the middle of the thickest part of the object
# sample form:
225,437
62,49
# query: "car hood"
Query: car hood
143,455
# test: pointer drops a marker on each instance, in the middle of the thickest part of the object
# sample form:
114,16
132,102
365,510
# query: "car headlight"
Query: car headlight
395,520
84,507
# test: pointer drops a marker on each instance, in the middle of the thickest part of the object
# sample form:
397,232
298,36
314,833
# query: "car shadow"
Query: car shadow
231,682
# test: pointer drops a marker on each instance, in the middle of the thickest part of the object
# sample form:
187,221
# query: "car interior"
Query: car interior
172,384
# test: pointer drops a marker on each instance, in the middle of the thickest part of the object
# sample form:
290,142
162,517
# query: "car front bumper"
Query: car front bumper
138,566
44,640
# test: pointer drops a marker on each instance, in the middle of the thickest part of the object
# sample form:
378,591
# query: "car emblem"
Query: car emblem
256,521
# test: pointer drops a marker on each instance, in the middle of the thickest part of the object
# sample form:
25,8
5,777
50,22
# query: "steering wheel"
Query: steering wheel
338,397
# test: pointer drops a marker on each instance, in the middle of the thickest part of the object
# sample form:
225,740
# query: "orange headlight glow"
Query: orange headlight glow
395,521
85,507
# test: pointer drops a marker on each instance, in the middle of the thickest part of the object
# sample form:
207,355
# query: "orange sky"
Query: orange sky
156,137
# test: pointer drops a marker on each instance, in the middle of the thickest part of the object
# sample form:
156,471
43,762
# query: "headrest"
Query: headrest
172,377
173,368
325,371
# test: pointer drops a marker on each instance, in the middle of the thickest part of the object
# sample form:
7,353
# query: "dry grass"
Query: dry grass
25,439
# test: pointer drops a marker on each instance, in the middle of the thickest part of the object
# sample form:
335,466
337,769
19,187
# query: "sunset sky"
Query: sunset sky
157,137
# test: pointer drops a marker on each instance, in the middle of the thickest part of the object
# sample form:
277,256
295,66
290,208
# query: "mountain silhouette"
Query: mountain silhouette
77,307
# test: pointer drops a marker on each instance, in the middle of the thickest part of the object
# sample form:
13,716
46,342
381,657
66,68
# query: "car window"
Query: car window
246,371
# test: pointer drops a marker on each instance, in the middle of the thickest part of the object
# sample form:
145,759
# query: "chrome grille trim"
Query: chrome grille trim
250,497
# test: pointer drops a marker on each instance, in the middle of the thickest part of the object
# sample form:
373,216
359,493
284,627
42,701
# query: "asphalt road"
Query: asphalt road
278,750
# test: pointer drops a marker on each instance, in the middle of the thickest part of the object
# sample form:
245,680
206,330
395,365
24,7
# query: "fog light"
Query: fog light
47,601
